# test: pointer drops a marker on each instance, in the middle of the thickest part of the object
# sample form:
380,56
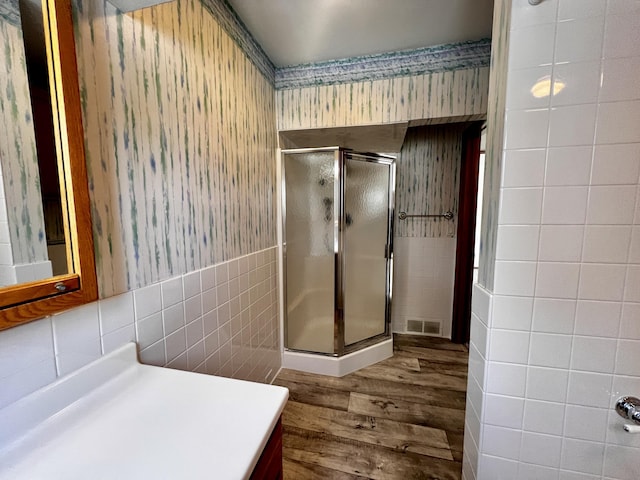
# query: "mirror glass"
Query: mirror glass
32,224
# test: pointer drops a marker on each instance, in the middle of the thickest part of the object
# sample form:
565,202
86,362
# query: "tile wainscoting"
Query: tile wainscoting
221,320
424,269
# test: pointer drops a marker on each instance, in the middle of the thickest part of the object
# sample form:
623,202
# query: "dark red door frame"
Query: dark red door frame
467,203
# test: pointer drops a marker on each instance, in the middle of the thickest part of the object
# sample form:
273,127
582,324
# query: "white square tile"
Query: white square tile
118,338
523,168
632,284
621,462
622,35
147,300
176,344
564,205
572,125
517,242
506,379
557,280
520,206
553,315
503,442
550,350
521,52
233,268
512,313
619,79
481,303
628,358
589,389
503,411
496,467
606,244
599,319
634,251
211,343
479,335
576,426
526,128
567,475
568,166
191,283
222,273
195,332
193,308
149,330
173,318
630,321
171,292
623,7
618,122
222,292
582,456
593,354
514,278
579,40
20,384
548,384
116,312
601,282
26,345
210,322
572,9
576,83
521,84
561,243
154,354
195,356
543,417
541,449
611,205
208,278
528,471
76,335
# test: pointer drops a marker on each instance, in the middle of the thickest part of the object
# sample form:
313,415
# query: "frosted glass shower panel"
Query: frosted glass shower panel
366,227
310,235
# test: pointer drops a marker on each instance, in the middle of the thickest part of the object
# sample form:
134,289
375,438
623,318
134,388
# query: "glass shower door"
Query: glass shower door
366,240
310,240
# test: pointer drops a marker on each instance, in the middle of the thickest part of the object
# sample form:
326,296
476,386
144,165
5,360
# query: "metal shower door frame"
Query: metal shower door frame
340,158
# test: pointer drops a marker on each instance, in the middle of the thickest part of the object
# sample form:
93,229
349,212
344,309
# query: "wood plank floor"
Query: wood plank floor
399,419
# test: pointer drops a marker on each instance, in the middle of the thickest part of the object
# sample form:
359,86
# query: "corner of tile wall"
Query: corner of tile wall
221,320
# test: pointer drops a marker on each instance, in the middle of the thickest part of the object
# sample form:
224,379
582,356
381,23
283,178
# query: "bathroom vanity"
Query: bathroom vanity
116,418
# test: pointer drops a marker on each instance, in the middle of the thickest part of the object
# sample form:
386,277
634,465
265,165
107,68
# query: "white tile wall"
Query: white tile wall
564,325
424,269
237,336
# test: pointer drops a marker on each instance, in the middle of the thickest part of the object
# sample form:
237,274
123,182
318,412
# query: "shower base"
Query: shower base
338,366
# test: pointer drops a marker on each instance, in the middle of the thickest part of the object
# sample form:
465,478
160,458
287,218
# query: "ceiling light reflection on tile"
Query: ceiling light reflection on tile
542,87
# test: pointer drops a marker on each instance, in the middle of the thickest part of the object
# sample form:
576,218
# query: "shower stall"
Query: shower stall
338,255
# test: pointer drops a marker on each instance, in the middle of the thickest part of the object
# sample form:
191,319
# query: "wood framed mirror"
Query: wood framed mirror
24,302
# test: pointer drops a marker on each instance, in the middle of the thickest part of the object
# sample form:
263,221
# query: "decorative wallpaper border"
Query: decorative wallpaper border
10,11
228,19
455,56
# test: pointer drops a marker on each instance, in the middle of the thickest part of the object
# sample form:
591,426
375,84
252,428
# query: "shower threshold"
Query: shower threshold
338,366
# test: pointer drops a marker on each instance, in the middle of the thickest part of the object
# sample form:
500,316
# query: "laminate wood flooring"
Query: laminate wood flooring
400,419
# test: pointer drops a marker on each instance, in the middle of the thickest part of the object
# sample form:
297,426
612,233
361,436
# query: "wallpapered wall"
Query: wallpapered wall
437,95
495,137
22,237
180,135
427,180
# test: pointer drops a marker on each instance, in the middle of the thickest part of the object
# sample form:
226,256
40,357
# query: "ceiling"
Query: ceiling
294,32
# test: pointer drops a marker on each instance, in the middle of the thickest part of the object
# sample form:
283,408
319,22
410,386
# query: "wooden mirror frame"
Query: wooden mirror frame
29,301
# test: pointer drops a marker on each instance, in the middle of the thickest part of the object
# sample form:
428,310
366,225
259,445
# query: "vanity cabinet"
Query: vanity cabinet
269,467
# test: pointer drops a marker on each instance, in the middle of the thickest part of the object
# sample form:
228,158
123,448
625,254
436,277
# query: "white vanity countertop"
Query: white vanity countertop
118,419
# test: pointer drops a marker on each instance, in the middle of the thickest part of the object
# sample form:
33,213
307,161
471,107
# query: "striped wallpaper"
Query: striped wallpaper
22,233
428,179
439,95
180,135
495,137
